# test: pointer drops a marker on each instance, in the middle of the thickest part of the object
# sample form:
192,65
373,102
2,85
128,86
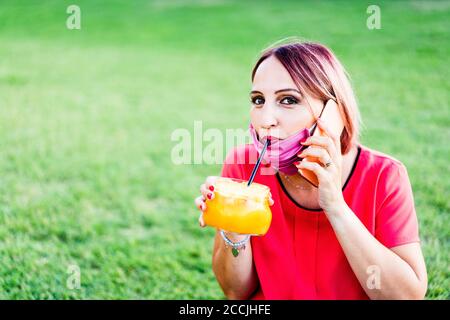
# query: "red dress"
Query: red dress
300,256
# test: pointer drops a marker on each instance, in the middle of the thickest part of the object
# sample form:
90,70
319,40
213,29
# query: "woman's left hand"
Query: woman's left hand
329,172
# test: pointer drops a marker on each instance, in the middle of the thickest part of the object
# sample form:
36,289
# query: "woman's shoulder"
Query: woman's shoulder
242,155
376,160
381,165
370,162
246,155
238,161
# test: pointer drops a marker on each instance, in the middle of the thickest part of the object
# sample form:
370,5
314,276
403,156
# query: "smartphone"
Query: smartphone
332,117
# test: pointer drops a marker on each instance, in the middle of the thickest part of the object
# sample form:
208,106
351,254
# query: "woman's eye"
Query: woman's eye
257,100
289,100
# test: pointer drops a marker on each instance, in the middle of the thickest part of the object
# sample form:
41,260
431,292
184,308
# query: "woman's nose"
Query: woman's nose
268,117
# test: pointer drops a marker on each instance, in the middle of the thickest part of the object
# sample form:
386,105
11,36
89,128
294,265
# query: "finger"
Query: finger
200,203
210,181
320,153
314,167
324,142
271,202
207,193
328,132
320,141
201,222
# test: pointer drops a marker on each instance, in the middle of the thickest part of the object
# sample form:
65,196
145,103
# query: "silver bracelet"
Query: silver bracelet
235,246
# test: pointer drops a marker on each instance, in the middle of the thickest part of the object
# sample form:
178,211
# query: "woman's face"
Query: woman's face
278,108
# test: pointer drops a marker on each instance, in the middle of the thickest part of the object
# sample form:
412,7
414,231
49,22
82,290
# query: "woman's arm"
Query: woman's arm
401,270
236,275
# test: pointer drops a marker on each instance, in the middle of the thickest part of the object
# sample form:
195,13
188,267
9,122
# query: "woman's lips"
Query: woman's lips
263,138
272,134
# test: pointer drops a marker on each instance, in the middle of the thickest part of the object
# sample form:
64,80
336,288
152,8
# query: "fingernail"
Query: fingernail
296,163
211,188
209,195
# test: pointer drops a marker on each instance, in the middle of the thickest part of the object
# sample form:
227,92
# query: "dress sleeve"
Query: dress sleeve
396,220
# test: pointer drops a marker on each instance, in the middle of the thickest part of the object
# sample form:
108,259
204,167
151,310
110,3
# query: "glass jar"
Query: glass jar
239,208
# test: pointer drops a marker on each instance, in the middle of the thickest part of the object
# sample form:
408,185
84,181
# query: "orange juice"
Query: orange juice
239,208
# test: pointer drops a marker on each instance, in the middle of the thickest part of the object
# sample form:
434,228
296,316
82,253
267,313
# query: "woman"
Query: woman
355,236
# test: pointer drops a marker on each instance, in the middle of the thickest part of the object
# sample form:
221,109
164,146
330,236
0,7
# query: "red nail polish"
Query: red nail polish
211,188
296,163
209,196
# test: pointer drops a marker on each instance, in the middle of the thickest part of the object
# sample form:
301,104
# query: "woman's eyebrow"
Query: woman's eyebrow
276,92
282,90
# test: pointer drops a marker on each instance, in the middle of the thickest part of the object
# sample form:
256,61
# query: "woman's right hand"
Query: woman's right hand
207,192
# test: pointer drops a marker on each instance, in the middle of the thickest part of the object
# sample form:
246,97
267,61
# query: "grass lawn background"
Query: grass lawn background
86,116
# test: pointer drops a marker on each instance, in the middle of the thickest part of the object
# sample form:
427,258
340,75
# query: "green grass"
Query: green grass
86,117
